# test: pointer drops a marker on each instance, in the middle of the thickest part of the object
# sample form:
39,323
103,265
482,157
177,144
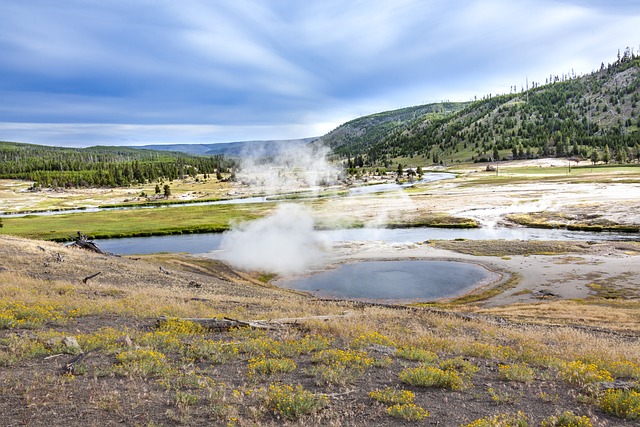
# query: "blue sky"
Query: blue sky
133,72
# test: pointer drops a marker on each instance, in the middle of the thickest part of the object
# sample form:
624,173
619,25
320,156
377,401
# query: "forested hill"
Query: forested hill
358,135
99,166
594,116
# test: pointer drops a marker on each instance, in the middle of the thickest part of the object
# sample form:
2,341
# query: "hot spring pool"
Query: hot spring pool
422,280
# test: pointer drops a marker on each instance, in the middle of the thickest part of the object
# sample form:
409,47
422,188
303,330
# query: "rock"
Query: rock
382,349
71,342
125,341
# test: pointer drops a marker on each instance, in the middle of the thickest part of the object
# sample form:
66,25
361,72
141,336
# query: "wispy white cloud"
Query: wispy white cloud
226,69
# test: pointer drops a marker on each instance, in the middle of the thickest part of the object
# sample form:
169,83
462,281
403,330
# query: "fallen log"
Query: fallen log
228,323
220,324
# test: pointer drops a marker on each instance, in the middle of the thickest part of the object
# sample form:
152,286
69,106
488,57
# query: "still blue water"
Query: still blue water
393,280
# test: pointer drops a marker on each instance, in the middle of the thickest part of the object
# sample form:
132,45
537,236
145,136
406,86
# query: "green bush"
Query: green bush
292,403
567,419
408,412
432,377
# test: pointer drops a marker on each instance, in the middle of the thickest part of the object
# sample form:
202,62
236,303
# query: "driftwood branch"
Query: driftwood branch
86,279
222,324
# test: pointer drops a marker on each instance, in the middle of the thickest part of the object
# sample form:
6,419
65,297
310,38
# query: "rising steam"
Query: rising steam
288,167
282,243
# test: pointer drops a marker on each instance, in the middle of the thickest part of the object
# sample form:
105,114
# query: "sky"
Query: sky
135,72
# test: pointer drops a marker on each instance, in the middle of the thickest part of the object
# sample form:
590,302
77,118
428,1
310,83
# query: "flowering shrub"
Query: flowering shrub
621,403
269,366
180,327
567,419
460,365
580,373
408,411
350,358
518,372
292,403
372,338
432,377
518,419
392,396
625,369
16,314
216,352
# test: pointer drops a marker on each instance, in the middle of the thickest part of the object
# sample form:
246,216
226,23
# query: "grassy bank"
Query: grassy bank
436,220
138,222
184,219
575,222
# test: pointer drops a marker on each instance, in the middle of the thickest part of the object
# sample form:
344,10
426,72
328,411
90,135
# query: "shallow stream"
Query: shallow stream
203,243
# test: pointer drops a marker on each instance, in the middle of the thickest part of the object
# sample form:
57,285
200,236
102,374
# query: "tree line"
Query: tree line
101,166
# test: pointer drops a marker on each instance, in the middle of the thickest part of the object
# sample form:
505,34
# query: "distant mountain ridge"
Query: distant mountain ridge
234,149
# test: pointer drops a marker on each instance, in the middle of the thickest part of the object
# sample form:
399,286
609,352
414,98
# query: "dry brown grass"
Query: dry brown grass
621,316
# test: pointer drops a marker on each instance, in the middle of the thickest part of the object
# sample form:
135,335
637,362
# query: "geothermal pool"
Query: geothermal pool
394,281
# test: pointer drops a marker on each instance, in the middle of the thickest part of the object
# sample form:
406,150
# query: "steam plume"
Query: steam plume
282,243
288,167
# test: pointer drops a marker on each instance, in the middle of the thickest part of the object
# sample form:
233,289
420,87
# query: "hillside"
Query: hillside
358,135
593,115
